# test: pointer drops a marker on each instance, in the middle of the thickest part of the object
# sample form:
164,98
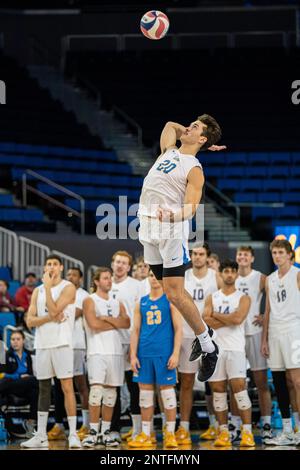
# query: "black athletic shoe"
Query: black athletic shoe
196,346
208,364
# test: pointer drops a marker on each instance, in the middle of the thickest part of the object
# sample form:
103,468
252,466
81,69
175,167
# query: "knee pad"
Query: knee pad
109,396
146,398
243,400
95,395
168,397
220,401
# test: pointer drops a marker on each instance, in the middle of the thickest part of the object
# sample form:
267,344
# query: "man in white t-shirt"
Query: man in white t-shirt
143,275
226,310
52,313
103,317
252,283
128,291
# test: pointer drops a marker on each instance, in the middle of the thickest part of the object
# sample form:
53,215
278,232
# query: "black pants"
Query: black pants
134,392
26,387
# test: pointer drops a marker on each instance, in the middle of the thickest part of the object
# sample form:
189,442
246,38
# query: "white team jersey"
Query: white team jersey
79,341
54,334
145,287
104,342
250,285
128,292
230,338
199,289
166,181
284,297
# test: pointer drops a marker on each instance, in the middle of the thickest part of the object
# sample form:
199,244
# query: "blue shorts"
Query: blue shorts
154,370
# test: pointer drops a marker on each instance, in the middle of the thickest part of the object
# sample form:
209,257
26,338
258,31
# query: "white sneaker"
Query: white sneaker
90,440
283,439
297,438
74,441
36,442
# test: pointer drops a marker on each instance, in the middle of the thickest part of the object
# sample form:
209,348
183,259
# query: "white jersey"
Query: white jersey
284,297
199,289
128,292
166,181
104,342
250,285
230,338
79,341
145,287
54,334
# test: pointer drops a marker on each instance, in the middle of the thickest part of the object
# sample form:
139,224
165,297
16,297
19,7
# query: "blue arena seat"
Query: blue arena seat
287,212
296,157
6,318
236,158
245,197
5,273
229,184
269,197
6,200
292,196
275,171
292,184
257,158
251,184
274,185
262,212
234,172
280,157
213,171
13,287
256,171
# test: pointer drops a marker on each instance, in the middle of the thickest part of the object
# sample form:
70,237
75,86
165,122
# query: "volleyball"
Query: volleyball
154,24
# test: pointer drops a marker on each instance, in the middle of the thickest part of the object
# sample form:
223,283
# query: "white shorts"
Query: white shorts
54,362
106,370
185,366
169,248
79,362
256,360
127,364
230,365
284,350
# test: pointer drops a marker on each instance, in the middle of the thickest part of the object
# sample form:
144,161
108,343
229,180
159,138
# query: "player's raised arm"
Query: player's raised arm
170,134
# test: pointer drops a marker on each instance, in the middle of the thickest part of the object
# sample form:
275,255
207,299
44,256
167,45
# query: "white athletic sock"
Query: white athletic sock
105,425
95,427
287,425
223,427
247,428
85,418
266,420
206,342
146,427
212,421
296,419
236,421
42,423
163,418
171,426
136,424
72,424
185,425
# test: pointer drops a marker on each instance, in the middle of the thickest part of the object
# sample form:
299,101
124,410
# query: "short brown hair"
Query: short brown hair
212,131
245,248
123,253
281,244
204,245
97,275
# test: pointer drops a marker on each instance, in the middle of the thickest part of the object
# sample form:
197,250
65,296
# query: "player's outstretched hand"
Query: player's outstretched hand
173,361
135,364
217,148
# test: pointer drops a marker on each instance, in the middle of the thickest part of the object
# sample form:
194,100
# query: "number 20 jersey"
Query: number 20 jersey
166,181
284,297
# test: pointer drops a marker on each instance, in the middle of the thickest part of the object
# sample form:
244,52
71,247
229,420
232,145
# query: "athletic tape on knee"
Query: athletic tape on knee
243,400
168,397
109,397
95,395
220,401
146,398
